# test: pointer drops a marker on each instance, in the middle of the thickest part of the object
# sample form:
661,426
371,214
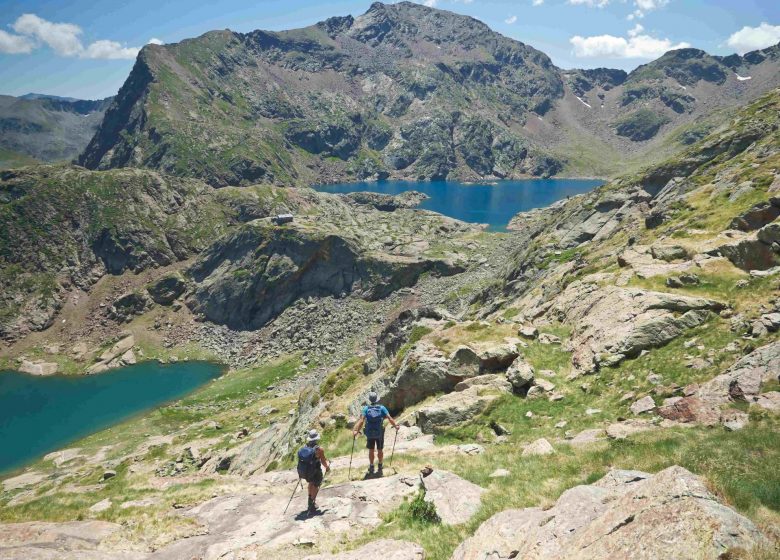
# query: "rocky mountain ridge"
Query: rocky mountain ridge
404,91
47,129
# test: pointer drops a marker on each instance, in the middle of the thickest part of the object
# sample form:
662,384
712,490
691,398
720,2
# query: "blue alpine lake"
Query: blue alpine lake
493,203
42,414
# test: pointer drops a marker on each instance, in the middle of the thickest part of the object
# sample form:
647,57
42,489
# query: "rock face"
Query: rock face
99,223
618,323
166,289
456,500
424,371
626,514
66,541
455,408
250,276
741,383
386,549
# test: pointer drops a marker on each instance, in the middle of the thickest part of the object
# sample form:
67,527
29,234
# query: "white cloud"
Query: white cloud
430,3
637,45
15,44
155,41
636,30
109,50
63,38
537,2
753,38
590,3
510,20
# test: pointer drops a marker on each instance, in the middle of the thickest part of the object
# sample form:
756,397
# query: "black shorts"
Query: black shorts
315,478
376,443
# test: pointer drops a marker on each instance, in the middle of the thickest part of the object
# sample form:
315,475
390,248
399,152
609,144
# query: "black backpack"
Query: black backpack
308,462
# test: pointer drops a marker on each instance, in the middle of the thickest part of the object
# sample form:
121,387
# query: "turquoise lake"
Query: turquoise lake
483,203
42,414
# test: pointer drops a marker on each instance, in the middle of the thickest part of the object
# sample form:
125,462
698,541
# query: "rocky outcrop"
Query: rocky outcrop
117,355
742,382
386,549
397,333
165,290
387,202
626,514
613,323
67,541
455,408
127,306
93,224
456,500
760,250
252,275
423,372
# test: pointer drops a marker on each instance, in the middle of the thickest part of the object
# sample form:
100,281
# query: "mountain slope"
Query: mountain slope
403,91
47,128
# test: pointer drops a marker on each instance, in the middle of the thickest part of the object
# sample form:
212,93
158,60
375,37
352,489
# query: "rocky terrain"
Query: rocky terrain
406,91
46,129
600,381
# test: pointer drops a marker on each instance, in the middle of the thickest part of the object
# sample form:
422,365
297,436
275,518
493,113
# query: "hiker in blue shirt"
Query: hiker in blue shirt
374,418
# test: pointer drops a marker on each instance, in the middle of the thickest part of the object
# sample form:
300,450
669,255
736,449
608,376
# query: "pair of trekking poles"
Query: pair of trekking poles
392,453
349,473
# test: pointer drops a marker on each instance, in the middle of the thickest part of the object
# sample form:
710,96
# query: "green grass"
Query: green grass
739,467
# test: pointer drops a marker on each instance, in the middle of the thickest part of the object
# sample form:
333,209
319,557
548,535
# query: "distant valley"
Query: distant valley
43,128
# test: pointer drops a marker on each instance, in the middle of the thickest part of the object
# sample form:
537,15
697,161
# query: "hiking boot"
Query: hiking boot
312,507
370,470
379,469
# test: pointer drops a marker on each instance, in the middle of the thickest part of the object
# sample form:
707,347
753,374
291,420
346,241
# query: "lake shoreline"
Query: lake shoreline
38,415
491,202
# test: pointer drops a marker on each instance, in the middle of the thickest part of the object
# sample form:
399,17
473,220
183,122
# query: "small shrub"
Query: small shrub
422,511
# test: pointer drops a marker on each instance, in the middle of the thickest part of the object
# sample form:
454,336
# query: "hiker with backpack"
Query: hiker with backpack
374,419
311,457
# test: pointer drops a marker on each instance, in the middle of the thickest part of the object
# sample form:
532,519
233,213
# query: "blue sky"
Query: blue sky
85,48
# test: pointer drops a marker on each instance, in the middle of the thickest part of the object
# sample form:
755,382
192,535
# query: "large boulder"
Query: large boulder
758,216
613,323
456,500
166,289
626,514
455,408
668,253
465,362
127,306
520,374
397,333
424,371
758,251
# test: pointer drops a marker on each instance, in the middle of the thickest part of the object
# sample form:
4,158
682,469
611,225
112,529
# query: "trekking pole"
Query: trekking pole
393,451
349,474
293,494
